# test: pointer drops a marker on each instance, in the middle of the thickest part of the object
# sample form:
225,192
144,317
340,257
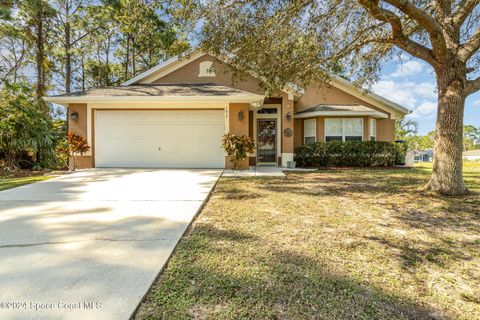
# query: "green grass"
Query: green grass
333,244
7,183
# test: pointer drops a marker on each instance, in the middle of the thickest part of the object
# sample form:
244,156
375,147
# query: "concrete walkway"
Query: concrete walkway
89,245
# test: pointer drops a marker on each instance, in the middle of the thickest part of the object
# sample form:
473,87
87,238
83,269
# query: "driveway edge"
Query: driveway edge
200,209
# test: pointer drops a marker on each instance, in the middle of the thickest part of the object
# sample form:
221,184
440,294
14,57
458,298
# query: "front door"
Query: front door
266,141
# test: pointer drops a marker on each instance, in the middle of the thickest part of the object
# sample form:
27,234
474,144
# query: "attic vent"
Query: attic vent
206,69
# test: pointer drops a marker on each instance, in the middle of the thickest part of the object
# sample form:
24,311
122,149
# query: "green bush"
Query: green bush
26,136
350,154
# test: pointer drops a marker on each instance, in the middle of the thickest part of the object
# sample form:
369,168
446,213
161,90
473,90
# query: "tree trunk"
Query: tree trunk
68,59
127,58
40,52
107,63
134,66
447,177
82,65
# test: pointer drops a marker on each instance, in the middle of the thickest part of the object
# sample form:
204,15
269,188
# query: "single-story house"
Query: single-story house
423,155
471,155
174,116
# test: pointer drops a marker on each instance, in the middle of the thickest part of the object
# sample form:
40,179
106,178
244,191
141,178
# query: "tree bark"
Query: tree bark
127,58
40,52
82,66
68,58
447,177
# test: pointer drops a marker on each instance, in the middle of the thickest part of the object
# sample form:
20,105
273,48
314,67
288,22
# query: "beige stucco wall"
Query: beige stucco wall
385,130
238,127
79,127
223,76
287,107
324,94
298,133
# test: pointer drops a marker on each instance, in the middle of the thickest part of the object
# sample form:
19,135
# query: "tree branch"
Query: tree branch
398,37
465,8
443,8
418,15
468,49
86,34
17,65
426,21
472,86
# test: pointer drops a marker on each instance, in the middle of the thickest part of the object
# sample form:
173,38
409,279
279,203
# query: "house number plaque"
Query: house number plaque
288,132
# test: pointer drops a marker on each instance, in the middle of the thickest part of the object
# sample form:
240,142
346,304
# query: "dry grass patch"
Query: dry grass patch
335,244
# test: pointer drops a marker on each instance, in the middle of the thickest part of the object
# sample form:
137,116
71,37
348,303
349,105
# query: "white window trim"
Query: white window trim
343,128
372,120
305,134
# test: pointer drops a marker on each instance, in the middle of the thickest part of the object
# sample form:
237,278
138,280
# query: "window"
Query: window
348,129
309,131
333,129
206,69
373,129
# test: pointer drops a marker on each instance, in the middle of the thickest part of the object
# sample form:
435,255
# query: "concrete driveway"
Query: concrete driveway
89,245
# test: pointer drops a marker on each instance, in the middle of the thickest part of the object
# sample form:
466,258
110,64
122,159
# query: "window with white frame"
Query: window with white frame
206,69
346,129
309,131
333,129
373,129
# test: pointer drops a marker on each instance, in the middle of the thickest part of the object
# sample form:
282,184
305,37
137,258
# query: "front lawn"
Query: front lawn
12,180
334,244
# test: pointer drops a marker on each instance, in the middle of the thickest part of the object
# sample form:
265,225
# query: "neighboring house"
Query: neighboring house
174,116
422,155
472,155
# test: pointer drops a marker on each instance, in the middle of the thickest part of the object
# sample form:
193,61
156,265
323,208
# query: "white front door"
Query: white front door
159,138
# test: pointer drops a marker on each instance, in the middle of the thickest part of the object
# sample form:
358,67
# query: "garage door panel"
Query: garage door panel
173,139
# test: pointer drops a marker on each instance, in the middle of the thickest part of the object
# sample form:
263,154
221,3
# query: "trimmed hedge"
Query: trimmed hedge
350,154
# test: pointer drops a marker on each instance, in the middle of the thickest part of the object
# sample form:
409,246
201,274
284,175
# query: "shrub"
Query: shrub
237,148
350,153
77,145
26,138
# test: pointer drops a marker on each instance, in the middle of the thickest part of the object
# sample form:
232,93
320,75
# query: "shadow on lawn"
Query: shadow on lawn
413,254
264,284
238,194
343,182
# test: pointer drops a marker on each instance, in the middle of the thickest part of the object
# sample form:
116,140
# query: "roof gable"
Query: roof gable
163,69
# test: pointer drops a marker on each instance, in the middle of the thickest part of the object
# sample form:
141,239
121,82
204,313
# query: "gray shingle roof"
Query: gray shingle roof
145,90
336,107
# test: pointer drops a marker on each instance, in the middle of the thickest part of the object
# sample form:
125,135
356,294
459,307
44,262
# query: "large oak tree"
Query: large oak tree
281,40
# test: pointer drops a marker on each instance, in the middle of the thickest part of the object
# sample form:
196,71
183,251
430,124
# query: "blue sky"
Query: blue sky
411,83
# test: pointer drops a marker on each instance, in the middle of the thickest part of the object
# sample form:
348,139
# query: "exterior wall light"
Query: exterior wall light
74,115
240,115
289,116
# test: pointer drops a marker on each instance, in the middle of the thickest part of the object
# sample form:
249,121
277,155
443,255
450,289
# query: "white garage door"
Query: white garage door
159,139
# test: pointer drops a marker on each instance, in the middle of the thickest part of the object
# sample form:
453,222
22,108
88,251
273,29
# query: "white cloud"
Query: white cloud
399,92
426,109
476,103
426,90
407,69
419,97
406,93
